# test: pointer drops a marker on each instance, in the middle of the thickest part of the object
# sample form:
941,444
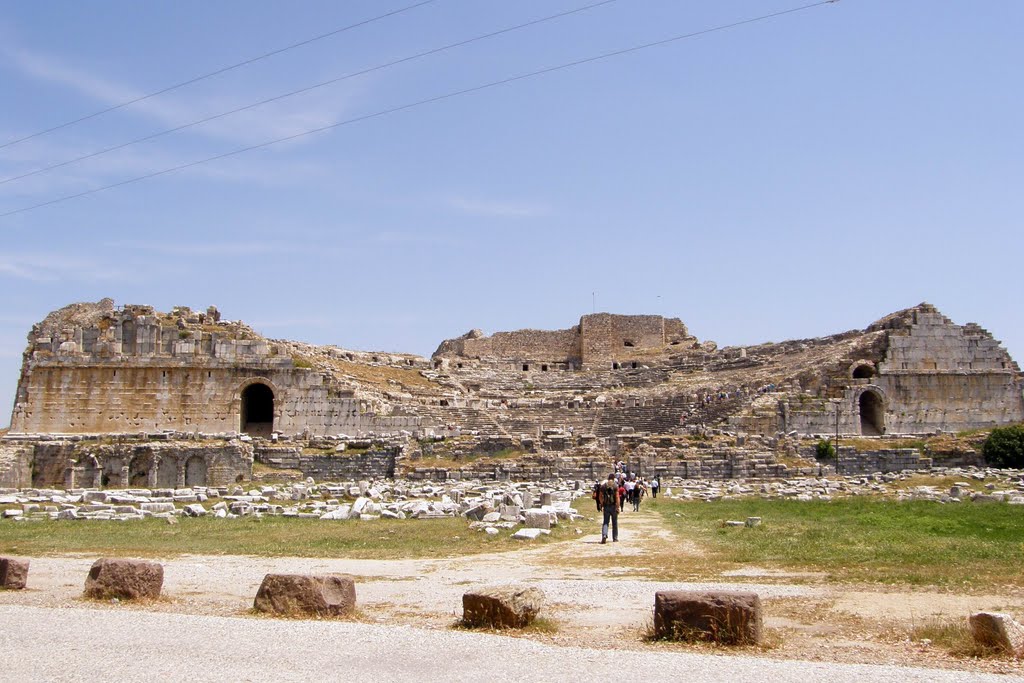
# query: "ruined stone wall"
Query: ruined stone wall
128,464
74,398
606,337
933,375
375,463
886,460
15,465
937,375
557,346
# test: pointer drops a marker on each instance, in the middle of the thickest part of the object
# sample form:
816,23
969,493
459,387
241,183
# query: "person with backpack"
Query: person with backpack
609,501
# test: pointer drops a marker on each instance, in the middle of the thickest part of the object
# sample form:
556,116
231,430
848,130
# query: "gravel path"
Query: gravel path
77,644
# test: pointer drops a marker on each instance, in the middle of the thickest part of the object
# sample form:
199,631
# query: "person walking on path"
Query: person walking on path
638,493
655,485
609,501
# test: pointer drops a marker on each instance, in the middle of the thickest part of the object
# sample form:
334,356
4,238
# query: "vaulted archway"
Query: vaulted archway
872,414
258,410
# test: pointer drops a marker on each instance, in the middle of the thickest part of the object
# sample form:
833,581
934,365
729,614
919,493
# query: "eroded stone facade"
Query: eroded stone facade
93,369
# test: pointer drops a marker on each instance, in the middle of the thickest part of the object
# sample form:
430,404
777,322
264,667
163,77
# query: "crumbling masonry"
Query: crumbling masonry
135,373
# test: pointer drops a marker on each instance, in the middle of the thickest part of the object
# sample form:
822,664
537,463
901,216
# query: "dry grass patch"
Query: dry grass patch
953,636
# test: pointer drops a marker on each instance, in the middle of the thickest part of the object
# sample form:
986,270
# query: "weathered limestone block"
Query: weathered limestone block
13,573
727,617
324,595
538,519
501,607
124,579
998,631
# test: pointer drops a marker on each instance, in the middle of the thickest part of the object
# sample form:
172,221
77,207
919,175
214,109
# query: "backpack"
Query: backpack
608,495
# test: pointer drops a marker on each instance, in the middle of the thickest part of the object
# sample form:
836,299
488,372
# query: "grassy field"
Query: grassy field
961,546
269,536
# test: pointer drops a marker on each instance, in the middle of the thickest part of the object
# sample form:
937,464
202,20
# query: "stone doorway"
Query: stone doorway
138,471
195,472
872,414
167,473
258,410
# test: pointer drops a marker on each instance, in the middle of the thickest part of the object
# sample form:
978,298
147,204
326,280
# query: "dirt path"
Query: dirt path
597,595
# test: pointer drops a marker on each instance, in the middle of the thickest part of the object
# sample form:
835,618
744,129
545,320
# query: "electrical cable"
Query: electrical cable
300,91
225,69
429,100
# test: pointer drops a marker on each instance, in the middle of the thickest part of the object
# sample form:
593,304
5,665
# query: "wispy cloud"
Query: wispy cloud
53,267
134,162
270,121
214,248
504,209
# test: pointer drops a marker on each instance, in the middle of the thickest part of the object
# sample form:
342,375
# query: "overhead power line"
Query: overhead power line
300,91
225,69
429,100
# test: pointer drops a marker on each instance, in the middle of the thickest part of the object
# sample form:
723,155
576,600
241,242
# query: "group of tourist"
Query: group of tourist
612,495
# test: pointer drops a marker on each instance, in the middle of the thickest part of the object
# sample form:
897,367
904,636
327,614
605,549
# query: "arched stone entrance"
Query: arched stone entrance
863,371
167,473
138,470
195,471
258,410
872,414
90,478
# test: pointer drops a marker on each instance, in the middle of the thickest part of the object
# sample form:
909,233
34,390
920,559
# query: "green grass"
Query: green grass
862,540
266,537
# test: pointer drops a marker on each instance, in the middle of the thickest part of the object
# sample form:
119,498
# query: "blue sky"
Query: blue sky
790,178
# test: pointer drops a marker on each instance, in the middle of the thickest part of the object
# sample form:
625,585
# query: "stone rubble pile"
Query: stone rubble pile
999,486
489,507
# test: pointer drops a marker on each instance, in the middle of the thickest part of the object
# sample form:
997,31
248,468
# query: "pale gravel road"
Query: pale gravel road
75,644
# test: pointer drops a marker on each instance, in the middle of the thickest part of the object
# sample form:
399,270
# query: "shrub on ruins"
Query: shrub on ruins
825,450
1004,447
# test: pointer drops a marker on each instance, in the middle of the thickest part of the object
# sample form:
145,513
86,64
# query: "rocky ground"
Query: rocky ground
589,604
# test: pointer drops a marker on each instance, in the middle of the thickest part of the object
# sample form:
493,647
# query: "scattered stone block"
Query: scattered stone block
998,631
324,595
726,617
124,579
13,573
194,510
538,519
501,607
339,513
529,534
753,521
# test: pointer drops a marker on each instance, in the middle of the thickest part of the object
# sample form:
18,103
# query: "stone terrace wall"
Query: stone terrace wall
372,464
132,463
886,460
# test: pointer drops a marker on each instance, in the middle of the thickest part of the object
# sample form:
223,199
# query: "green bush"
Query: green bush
1004,447
825,450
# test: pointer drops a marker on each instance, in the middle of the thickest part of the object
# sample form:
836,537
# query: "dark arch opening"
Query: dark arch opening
863,372
138,471
258,410
872,414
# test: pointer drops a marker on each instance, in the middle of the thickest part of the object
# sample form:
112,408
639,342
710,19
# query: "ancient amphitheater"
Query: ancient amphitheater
129,396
